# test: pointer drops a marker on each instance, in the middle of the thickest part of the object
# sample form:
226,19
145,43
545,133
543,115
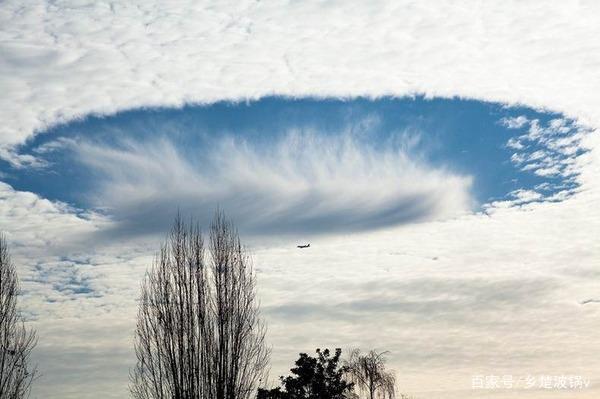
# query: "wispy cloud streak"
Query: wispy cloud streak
304,182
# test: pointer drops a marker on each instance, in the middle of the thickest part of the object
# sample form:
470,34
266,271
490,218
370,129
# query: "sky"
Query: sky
441,159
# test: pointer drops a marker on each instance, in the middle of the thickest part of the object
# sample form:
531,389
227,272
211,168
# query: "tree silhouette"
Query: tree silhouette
369,374
318,377
198,334
16,342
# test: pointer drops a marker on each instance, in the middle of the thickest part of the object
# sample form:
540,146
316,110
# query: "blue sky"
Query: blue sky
463,138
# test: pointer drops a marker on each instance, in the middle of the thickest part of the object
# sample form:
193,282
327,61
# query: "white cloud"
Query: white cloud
515,122
515,144
64,60
526,195
41,224
559,142
303,182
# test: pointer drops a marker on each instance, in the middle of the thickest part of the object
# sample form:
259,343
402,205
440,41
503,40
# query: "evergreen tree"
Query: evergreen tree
319,377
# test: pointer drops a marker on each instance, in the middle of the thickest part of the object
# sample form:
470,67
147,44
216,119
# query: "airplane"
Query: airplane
304,246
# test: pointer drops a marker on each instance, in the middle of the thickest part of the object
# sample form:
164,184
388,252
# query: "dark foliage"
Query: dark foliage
319,377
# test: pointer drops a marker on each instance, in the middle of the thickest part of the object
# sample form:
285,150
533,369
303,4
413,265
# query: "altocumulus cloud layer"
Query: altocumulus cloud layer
445,297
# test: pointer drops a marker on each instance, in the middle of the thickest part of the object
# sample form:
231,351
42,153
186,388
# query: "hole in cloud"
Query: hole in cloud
306,166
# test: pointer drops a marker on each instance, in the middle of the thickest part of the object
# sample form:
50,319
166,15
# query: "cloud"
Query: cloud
66,60
449,301
551,150
501,296
304,182
515,122
41,224
546,150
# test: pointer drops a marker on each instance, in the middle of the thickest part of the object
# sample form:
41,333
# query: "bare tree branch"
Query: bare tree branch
369,374
199,334
16,341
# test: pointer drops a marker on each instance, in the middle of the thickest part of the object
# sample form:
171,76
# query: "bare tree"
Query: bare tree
369,374
199,333
16,341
